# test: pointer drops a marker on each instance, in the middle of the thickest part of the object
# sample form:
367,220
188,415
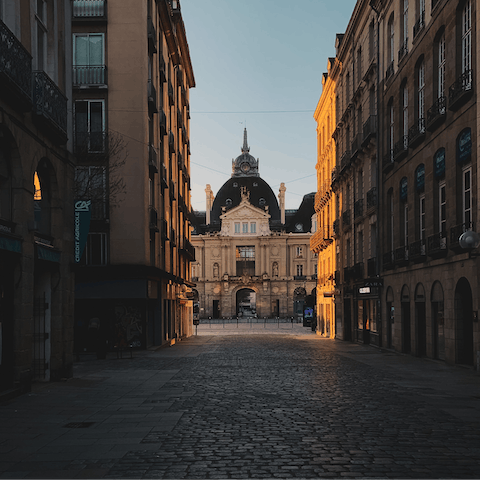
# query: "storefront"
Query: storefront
368,316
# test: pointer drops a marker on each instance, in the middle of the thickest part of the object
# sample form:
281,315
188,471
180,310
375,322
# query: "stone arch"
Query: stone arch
420,321
405,319
46,196
438,321
463,302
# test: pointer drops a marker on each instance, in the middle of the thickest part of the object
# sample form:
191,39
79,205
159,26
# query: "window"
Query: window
371,40
391,219
245,259
441,67
96,249
41,34
405,114
421,203
253,227
244,227
391,129
405,22
442,208
467,196
299,251
88,58
91,184
405,224
421,91
391,39
299,270
467,38
89,126
360,247
237,227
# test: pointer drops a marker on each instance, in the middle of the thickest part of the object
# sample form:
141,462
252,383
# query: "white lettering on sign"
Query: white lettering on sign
364,290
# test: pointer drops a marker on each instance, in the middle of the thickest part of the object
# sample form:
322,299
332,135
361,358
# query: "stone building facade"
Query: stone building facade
131,78
36,204
252,257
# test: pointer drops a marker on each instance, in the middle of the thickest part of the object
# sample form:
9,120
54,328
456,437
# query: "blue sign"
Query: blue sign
439,163
420,177
464,145
82,226
403,189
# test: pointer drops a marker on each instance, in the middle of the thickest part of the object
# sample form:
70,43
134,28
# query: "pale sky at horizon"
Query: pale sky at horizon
252,56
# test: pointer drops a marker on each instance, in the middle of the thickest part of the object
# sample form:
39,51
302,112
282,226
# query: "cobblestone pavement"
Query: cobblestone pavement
249,406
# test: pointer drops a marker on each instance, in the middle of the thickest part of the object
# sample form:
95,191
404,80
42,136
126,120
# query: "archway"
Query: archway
420,321
463,323
405,313
196,303
246,302
438,321
390,316
299,296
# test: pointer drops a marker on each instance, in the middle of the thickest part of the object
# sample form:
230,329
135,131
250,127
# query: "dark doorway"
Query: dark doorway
390,317
6,329
420,321
246,302
216,309
438,322
464,322
348,319
406,336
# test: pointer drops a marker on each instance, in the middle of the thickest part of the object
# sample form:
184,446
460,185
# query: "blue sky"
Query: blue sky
254,56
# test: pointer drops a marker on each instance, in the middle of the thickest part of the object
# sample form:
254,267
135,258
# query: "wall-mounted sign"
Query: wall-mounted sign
82,226
464,145
439,163
364,290
403,189
420,178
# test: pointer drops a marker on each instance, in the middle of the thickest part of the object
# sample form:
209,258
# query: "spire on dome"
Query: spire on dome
245,148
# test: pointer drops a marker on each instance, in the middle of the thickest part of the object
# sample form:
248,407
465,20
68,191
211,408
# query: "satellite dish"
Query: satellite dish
469,240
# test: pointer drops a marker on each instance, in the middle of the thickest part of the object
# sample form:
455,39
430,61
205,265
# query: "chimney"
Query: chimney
281,197
209,199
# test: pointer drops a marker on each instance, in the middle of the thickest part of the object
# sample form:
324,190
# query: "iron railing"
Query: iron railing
89,8
462,85
403,50
372,198
419,24
436,113
416,133
369,128
89,75
358,208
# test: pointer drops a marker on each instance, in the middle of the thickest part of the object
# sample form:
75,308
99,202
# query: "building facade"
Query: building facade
36,205
323,240
131,78
252,256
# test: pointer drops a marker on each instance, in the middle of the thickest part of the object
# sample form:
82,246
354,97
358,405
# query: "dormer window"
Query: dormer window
262,202
228,202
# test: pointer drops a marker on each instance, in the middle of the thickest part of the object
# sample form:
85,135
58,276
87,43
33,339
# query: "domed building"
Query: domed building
252,255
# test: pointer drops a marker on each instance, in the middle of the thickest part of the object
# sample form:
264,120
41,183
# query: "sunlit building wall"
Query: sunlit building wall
323,240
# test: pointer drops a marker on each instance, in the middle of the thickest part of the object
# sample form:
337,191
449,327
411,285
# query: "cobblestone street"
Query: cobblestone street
249,406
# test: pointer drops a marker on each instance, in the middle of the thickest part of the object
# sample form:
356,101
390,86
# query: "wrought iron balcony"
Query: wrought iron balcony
400,148
346,218
436,113
371,267
49,107
369,129
388,261
461,90
171,188
358,209
417,251
335,174
163,176
345,159
15,71
416,133
403,50
437,245
89,75
336,228
152,159
162,68
172,237
401,256
388,161
164,229
187,249
162,120
389,72
152,97
372,198
152,35
171,142
419,24
153,219
456,232
179,118
356,145
89,9
86,143
171,98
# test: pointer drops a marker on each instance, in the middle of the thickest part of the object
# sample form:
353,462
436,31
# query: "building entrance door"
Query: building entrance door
246,305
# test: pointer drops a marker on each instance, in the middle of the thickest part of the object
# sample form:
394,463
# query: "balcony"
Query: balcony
162,121
171,98
346,219
49,108
86,143
152,97
371,267
89,9
388,261
416,133
461,90
347,274
358,209
299,277
401,256
163,176
187,249
356,145
152,159
437,245
152,36
335,174
172,237
179,118
369,129
417,251
89,75
164,229
389,72
336,228
161,68
388,161
456,232
419,24
402,53
372,198
345,160
400,149
171,188
15,71
357,271
436,113
153,219
171,142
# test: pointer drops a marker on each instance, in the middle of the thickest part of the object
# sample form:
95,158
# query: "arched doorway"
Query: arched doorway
196,303
299,296
390,316
438,321
463,323
246,302
420,321
405,313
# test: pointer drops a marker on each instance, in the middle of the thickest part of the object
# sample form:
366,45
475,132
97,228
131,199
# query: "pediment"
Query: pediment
245,210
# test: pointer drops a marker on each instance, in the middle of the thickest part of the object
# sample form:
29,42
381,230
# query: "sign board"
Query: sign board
196,321
82,226
464,146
